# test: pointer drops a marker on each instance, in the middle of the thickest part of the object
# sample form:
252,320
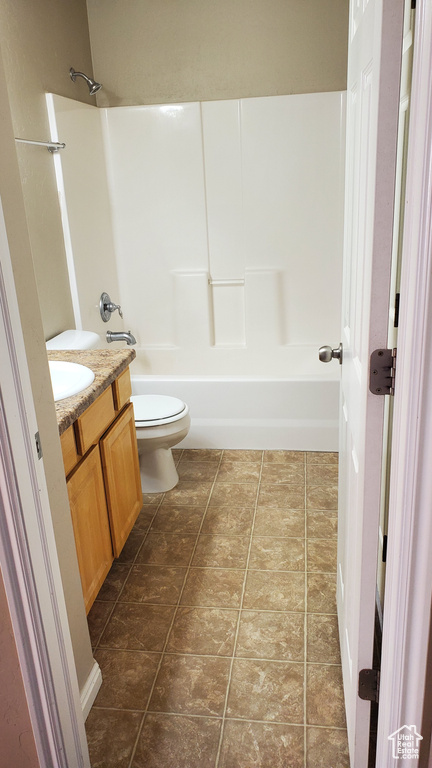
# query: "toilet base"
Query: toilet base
158,472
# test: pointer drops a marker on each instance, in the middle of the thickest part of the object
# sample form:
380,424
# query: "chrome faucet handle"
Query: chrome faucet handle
112,308
107,307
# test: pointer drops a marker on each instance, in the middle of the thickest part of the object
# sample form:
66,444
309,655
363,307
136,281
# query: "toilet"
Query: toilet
161,422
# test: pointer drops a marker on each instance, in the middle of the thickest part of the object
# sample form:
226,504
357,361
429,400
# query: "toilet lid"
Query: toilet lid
156,407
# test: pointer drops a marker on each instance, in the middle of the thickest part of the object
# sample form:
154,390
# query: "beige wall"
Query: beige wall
40,41
15,217
158,51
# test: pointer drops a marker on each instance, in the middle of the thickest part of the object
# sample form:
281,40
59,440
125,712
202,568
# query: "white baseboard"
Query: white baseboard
91,689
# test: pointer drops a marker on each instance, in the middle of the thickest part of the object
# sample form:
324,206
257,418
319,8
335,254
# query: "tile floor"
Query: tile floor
216,630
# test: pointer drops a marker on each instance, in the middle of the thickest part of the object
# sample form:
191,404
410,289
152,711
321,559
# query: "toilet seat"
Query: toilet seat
152,410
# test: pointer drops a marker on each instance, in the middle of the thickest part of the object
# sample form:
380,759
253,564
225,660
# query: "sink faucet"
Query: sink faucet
126,336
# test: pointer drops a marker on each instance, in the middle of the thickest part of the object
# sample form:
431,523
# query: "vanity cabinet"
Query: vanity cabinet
103,480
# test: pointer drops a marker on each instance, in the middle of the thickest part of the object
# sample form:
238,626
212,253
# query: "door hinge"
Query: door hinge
369,684
38,445
382,372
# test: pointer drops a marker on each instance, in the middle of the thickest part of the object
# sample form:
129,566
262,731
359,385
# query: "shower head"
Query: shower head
94,87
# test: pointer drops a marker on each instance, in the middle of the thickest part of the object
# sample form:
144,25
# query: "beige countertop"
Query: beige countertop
106,364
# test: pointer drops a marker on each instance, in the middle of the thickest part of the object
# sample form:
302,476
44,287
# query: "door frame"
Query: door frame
409,564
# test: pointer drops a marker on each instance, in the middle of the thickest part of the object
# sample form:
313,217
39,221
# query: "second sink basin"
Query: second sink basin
69,378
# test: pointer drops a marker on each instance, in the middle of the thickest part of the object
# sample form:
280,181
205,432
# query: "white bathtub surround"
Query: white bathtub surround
299,414
228,224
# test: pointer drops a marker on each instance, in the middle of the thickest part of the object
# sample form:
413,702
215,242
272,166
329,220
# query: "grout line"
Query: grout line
217,717
222,608
239,617
222,568
173,619
229,658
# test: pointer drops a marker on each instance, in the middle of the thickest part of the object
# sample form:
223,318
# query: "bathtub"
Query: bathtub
253,412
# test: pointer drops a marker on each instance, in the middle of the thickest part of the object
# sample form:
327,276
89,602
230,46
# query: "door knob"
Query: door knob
327,353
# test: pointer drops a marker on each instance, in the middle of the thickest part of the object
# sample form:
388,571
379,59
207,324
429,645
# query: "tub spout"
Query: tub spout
126,336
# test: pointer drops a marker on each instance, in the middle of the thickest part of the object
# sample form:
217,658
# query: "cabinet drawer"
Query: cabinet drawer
94,421
69,451
122,390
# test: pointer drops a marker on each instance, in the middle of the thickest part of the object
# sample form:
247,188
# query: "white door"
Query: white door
375,41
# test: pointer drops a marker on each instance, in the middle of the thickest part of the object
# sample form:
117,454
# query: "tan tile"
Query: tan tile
195,493
284,457
283,474
274,591
143,521
197,470
322,474
132,546
152,498
194,685
231,521
327,746
324,696
268,635
261,745
322,555
282,496
322,497
127,678
274,554
176,454
204,631
233,495
111,736
137,627
178,519
153,584
270,521
321,592
321,525
266,690
321,457
238,454
201,454
97,618
322,639
180,741
114,581
213,587
167,549
221,551
239,471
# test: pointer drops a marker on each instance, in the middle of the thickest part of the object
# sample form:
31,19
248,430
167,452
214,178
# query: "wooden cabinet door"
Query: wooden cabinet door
90,523
122,476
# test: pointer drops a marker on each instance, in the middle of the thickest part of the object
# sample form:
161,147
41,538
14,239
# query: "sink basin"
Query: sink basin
69,378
